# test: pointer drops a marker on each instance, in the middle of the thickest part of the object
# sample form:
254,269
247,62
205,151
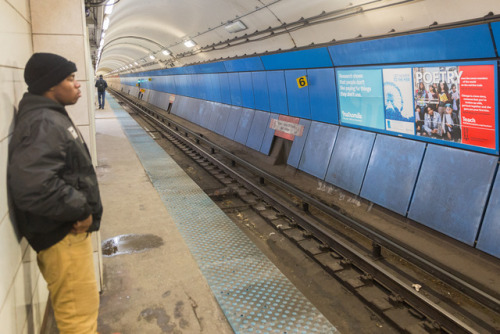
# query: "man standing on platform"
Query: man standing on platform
101,85
54,191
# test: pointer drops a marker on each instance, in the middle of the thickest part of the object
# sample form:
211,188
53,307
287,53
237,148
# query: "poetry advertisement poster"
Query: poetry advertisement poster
361,98
456,103
398,100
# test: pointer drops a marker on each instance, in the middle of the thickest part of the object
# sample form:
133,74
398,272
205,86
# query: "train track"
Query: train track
388,293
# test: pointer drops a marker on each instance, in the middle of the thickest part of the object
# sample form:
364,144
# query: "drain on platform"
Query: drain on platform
130,243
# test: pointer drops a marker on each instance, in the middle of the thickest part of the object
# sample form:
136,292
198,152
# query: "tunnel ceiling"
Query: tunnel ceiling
140,30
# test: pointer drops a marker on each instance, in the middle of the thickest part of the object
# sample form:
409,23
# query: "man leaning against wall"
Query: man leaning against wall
54,191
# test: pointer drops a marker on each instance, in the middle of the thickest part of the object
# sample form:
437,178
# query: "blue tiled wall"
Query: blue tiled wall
268,83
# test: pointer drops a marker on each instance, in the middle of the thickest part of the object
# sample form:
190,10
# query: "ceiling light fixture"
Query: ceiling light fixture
109,7
105,23
152,57
189,43
165,52
235,26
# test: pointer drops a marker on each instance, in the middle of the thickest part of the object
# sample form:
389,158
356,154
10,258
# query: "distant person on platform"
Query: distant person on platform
101,85
54,191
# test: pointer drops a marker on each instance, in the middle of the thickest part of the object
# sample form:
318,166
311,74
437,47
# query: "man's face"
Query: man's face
67,92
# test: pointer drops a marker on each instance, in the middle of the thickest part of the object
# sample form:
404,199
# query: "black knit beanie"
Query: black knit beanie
45,70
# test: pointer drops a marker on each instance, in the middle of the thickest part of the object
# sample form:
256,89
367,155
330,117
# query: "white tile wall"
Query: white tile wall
23,7
35,312
15,37
12,88
30,269
27,329
8,315
10,259
7,102
49,16
23,290
40,298
69,46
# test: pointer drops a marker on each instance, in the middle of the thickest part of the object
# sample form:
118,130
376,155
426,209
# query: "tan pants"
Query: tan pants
68,269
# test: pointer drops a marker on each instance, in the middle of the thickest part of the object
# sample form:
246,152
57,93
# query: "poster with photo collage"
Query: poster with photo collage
449,103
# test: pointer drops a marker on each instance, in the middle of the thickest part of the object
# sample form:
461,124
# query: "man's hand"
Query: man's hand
82,226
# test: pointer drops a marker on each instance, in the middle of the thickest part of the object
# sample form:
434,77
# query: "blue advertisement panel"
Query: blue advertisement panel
361,98
398,100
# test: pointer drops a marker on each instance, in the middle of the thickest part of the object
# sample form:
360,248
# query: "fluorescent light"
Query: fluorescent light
151,57
109,7
189,43
105,24
235,26
136,63
166,52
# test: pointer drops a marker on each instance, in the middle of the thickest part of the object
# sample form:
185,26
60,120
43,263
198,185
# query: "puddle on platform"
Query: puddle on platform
130,243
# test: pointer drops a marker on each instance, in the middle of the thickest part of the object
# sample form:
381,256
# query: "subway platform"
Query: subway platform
186,267
152,289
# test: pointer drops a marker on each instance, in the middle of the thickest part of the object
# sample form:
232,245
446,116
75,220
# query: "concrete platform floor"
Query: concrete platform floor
160,290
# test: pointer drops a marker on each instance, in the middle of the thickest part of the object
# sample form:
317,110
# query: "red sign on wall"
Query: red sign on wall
477,104
286,127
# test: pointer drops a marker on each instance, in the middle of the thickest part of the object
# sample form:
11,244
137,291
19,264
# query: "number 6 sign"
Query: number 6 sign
302,81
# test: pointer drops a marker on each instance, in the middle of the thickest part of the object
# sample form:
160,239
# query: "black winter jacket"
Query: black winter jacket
101,85
50,176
